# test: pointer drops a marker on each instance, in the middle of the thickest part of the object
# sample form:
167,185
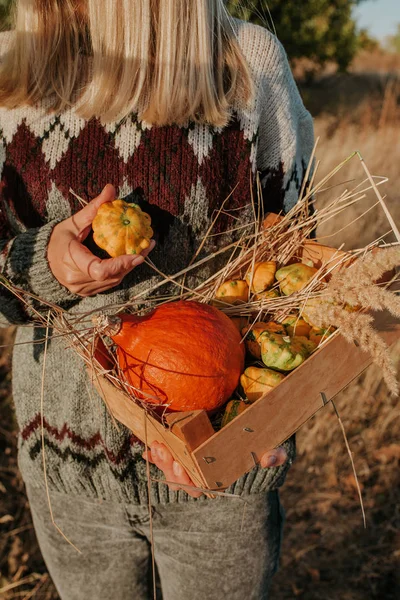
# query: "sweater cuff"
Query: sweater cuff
28,267
260,480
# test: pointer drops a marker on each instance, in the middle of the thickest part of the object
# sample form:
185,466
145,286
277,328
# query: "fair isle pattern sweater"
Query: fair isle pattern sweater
183,175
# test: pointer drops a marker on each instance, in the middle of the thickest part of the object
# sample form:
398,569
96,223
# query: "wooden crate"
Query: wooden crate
215,460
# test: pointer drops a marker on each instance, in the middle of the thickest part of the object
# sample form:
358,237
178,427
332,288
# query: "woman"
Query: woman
177,104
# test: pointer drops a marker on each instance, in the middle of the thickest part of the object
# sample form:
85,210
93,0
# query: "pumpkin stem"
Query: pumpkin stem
107,324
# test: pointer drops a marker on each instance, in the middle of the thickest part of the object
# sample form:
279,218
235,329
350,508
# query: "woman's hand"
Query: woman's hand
160,456
74,266
176,474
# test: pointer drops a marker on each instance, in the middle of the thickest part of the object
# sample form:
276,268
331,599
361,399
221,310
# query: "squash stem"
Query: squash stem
107,324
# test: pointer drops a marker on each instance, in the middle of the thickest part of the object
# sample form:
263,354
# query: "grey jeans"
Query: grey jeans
224,548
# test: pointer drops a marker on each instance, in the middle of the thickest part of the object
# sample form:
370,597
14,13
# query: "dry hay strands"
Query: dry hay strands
281,241
356,286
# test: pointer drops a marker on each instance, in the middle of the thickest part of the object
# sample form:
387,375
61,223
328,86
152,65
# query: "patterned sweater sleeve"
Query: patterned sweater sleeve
24,266
23,258
286,132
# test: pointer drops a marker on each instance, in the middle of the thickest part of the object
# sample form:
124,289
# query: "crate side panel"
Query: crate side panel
144,426
272,419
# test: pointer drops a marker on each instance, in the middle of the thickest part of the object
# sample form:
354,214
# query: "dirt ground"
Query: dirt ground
327,553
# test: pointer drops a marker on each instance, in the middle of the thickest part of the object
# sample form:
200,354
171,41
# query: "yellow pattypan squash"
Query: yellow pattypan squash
253,333
235,291
257,382
320,333
263,276
284,353
293,278
268,295
122,228
295,325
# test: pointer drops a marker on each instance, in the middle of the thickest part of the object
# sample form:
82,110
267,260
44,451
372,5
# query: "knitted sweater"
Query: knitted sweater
185,173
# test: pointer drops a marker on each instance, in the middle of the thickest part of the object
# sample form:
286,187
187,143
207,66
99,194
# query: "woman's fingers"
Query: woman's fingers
164,460
176,474
98,269
172,470
117,267
148,456
86,274
72,263
274,458
183,478
84,217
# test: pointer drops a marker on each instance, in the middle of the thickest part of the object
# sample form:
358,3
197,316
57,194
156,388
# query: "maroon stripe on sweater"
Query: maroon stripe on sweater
165,167
91,161
227,170
89,444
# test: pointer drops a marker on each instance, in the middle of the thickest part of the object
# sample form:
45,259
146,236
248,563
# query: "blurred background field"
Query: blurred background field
327,554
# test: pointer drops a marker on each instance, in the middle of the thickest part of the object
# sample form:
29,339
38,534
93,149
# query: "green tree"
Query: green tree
5,7
393,41
322,30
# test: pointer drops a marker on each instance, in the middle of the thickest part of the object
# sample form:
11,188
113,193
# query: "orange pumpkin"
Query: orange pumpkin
239,322
183,355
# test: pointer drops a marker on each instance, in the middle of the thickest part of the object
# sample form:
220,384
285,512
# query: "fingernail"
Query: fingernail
138,260
154,452
271,461
177,469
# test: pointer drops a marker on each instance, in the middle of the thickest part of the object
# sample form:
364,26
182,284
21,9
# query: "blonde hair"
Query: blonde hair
169,61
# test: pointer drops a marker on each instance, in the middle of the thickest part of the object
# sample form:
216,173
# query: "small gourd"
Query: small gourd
253,333
308,344
284,353
295,325
235,291
257,382
234,408
263,276
122,228
268,295
317,334
295,277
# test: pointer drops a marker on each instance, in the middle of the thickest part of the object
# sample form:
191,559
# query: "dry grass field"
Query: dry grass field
327,553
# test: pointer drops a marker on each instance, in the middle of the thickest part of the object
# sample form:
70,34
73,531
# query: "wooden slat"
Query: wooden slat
274,418
194,428
144,426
